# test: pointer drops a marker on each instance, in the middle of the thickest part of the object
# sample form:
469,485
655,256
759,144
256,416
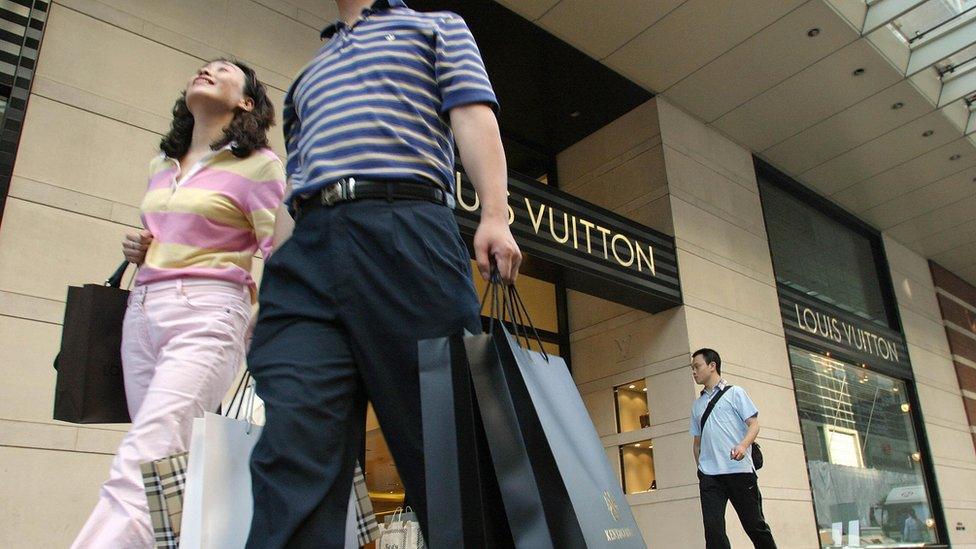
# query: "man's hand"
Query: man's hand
135,245
494,239
738,453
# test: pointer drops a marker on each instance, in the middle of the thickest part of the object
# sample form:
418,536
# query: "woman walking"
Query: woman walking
211,204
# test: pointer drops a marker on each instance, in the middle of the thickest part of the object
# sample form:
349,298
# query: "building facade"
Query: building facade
846,315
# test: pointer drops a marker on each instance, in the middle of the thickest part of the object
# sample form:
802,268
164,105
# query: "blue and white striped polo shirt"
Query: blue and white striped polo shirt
374,102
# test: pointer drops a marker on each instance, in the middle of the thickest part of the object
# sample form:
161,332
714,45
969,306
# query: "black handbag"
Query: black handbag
757,457
89,386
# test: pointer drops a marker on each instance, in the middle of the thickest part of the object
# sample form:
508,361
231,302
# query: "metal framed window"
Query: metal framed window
22,25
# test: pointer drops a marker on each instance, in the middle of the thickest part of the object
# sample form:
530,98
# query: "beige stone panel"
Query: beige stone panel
267,38
101,439
655,214
27,351
641,176
670,395
76,250
916,295
684,133
676,524
700,185
27,307
943,405
785,465
951,446
956,485
713,234
961,539
112,164
648,340
792,522
118,65
901,258
718,289
924,332
198,19
602,412
602,146
27,434
933,369
739,344
323,9
777,405
47,495
586,310
674,460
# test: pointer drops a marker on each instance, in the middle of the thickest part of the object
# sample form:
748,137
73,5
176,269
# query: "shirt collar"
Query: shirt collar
718,387
329,31
212,153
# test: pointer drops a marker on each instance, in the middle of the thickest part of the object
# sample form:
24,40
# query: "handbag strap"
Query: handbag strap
711,404
115,280
507,305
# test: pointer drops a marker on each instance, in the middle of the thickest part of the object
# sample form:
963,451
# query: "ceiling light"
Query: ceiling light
574,114
955,157
916,457
637,445
632,387
645,389
897,106
905,407
812,33
928,133
894,390
858,72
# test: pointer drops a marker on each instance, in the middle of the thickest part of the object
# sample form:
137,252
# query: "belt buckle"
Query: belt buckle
331,194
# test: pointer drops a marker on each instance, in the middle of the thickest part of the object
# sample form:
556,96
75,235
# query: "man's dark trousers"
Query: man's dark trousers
742,489
343,303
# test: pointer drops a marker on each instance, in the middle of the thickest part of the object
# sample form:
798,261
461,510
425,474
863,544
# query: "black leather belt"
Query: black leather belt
345,190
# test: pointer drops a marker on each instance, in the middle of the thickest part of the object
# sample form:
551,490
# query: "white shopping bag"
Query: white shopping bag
218,506
401,531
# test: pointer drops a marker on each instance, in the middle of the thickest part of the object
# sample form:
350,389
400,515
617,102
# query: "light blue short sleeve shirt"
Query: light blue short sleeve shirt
725,428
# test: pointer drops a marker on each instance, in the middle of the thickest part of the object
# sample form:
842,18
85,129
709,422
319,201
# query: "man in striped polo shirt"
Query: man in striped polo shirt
375,262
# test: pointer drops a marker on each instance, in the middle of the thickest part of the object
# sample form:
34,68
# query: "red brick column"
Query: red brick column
957,300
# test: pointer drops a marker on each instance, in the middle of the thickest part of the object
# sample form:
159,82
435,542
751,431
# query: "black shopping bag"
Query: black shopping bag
464,505
551,465
89,387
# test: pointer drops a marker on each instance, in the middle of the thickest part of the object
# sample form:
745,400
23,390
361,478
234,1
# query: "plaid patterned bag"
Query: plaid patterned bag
367,530
164,480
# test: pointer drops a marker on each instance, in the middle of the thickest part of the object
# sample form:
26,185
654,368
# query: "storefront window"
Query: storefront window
816,254
862,455
631,401
637,464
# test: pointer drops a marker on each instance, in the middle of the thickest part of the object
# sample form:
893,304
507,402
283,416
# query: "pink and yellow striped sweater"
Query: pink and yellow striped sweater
210,224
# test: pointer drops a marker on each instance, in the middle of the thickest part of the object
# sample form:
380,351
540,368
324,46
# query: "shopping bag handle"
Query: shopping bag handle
506,304
115,280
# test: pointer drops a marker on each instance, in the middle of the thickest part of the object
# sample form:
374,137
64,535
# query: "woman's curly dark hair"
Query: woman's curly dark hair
248,131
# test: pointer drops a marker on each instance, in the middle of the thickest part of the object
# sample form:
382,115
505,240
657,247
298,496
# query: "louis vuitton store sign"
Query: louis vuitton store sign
601,253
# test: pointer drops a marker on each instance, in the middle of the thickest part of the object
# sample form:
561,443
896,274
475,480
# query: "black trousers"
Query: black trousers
742,489
343,304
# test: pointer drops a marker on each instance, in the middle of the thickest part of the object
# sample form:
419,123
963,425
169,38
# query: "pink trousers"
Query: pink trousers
182,345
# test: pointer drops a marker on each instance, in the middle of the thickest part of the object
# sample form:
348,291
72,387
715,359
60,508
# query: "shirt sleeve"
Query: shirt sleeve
262,203
743,404
458,69
292,128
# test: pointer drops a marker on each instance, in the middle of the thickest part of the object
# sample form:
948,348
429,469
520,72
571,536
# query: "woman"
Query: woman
211,203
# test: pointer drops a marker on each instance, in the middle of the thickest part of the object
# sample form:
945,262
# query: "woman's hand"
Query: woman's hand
135,245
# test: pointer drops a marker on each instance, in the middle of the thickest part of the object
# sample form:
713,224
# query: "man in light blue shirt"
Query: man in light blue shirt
723,454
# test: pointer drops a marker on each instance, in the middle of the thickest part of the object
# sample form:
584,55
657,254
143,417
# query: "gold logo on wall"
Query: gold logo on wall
611,505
